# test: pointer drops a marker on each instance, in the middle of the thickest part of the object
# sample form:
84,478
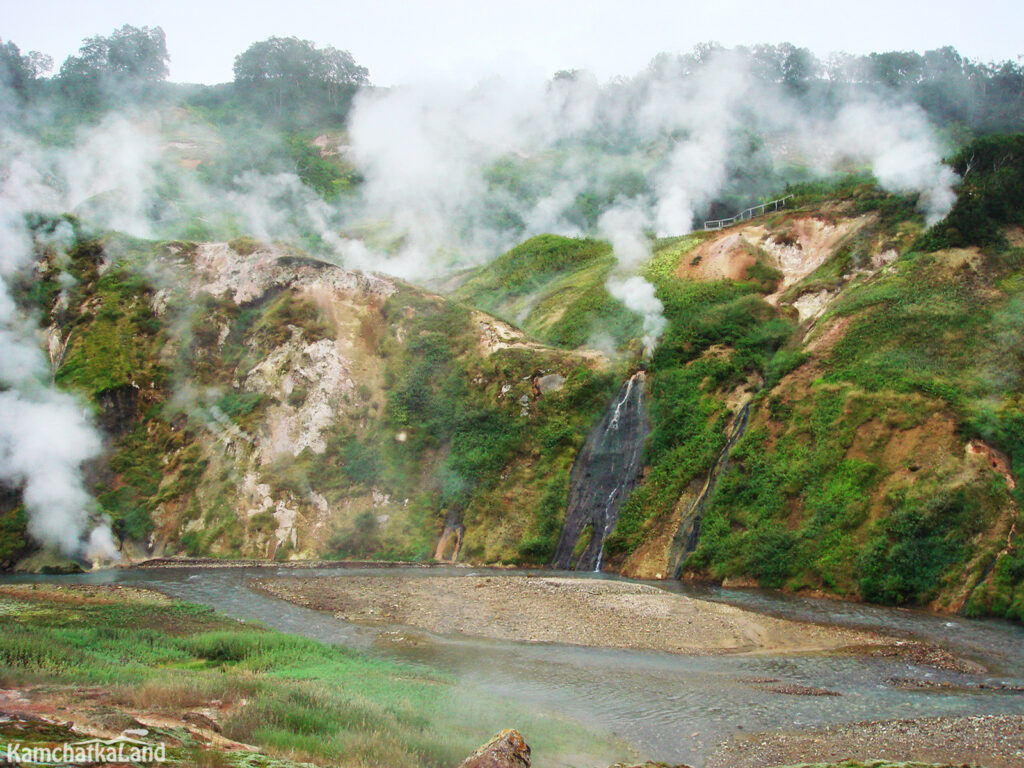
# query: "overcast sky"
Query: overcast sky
411,40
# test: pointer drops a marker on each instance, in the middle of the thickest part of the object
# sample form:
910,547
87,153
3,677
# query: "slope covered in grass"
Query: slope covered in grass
884,464
554,288
260,403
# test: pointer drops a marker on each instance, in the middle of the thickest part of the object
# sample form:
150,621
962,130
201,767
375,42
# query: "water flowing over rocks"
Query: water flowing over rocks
604,473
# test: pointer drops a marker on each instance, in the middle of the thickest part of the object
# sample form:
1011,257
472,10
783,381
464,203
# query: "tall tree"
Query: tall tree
18,72
124,63
288,71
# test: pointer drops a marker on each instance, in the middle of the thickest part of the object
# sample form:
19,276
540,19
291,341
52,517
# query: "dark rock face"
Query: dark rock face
604,473
506,750
119,408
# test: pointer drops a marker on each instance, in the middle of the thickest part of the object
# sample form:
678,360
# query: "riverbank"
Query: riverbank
992,741
83,661
556,609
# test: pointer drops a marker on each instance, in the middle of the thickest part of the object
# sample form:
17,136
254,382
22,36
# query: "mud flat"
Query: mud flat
994,741
543,609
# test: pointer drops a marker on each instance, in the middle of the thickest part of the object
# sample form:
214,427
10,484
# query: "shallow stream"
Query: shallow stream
667,707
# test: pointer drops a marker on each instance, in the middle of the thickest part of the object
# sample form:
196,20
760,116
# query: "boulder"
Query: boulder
506,750
200,720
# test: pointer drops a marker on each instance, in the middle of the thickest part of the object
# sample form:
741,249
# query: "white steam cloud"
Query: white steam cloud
625,227
898,144
44,439
463,174
45,434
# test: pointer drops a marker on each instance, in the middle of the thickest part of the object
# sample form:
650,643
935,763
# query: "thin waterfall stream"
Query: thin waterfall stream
605,471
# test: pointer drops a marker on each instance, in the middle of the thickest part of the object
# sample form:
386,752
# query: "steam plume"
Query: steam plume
625,228
45,434
464,174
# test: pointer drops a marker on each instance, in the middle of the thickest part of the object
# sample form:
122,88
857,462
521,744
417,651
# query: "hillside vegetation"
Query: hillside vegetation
881,364
263,404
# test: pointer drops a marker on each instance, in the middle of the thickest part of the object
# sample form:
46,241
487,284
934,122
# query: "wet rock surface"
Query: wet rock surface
922,654
605,471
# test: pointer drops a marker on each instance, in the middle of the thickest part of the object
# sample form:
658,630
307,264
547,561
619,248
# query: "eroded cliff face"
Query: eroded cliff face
260,404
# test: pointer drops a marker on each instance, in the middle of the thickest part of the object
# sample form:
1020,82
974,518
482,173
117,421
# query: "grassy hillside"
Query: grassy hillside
853,476
882,455
260,403
881,365
554,288
887,464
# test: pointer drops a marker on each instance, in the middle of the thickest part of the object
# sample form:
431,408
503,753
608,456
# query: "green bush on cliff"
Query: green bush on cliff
910,551
110,326
989,198
13,535
329,176
540,548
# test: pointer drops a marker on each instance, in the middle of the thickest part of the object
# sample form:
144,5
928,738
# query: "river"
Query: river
666,707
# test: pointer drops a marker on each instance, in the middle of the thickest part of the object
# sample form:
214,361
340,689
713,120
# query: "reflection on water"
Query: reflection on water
668,707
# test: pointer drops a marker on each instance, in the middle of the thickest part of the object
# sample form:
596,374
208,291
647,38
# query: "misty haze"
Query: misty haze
674,416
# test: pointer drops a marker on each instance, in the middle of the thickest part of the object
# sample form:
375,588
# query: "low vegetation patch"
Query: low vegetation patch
293,698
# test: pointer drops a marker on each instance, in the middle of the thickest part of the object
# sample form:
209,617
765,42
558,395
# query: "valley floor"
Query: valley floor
550,609
101,661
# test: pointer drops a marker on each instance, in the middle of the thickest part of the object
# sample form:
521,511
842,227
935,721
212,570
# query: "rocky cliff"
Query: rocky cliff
259,403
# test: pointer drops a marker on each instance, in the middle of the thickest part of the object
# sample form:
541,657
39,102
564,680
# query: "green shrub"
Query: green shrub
910,552
989,198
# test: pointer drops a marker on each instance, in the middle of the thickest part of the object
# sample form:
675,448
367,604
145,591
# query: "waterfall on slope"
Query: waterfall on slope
605,471
685,542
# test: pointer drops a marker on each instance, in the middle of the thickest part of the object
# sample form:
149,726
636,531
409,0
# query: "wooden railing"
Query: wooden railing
756,210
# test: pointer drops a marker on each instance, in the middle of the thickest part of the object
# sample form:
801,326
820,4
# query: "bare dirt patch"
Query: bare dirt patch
723,258
825,340
549,609
806,245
